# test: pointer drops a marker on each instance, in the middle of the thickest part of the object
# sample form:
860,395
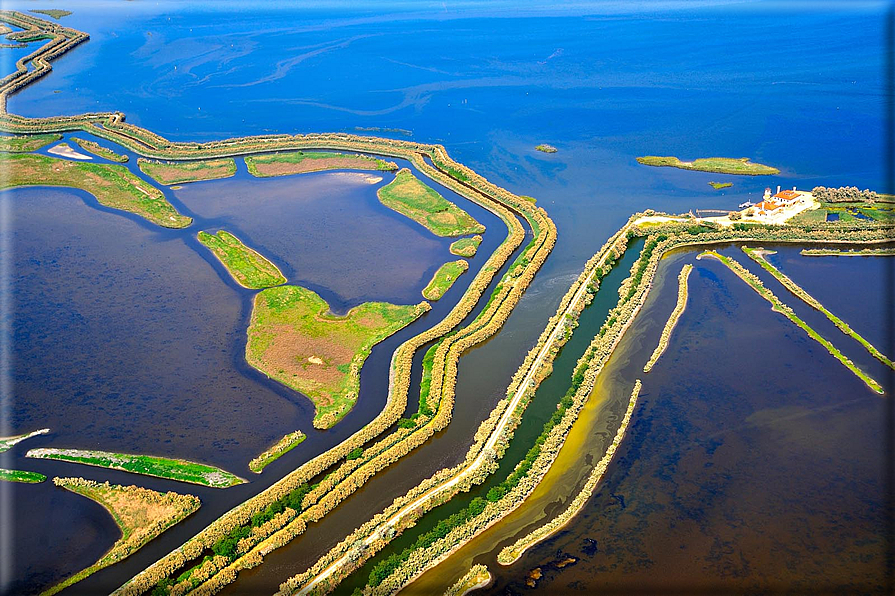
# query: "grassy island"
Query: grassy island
56,13
757,255
180,172
246,266
778,306
100,151
282,447
466,247
21,476
292,338
544,148
409,196
444,278
682,278
113,185
718,165
477,577
720,185
835,252
26,143
303,162
141,515
160,467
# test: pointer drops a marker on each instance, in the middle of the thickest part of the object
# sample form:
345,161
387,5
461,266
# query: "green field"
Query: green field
113,185
180,172
246,266
26,143
21,476
99,150
160,467
140,513
282,447
466,247
303,162
444,278
411,197
294,339
718,165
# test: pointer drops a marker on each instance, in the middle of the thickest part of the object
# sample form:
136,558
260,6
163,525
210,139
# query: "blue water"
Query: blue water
787,86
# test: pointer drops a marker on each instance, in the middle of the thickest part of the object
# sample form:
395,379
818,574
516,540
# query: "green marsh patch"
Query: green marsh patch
245,265
180,172
113,185
26,143
303,162
718,165
444,278
409,196
148,465
21,476
100,151
466,247
292,338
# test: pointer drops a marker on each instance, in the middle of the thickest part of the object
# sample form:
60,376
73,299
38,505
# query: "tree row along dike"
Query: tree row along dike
434,162
677,235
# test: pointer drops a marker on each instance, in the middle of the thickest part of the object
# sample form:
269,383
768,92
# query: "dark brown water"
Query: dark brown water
754,462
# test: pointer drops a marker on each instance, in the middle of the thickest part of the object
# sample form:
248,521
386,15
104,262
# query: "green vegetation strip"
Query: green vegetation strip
141,515
98,150
786,311
245,265
282,447
477,577
173,172
409,196
466,247
718,165
302,162
56,13
789,284
833,252
720,185
21,476
160,467
444,278
670,324
510,554
113,185
293,339
26,143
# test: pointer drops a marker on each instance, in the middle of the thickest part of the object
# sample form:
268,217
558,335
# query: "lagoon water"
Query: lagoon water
151,327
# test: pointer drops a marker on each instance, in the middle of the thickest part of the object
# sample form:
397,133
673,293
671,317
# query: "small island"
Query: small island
100,151
56,13
247,267
26,143
21,476
6,443
303,162
140,513
281,448
66,150
836,252
113,185
717,165
466,247
180,172
160,467
444,278
293,339
545,148
409,196
720,185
